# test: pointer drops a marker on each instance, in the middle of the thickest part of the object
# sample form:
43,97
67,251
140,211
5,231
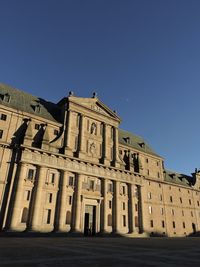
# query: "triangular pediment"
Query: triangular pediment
94,104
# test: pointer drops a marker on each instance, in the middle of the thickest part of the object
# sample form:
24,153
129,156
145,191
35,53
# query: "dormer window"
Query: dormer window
6,98
127,140
142,145
37,108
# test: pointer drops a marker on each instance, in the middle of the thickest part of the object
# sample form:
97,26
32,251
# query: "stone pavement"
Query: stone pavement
76,251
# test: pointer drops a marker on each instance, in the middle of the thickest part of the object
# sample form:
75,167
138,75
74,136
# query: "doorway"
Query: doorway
90,220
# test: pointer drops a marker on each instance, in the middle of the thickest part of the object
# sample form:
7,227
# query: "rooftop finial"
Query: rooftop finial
71,93
94,95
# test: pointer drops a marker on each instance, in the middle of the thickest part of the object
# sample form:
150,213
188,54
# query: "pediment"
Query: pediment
95,105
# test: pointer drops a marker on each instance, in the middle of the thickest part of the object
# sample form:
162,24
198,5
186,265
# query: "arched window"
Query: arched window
68,217
24,215
109,220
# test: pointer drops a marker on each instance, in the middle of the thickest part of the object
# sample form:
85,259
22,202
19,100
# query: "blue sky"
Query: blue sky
142,57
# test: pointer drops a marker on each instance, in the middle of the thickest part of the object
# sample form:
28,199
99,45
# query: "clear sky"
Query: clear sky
142,57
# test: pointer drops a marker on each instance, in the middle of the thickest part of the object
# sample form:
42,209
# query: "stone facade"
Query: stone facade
67,167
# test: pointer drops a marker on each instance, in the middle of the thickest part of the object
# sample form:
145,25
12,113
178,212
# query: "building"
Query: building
68,167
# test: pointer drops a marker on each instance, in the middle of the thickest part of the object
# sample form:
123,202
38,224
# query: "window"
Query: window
27,194
123,190
52,178
149,195
161,211
171,200
55,132
197,203
71,181
49,197
147,161
172,211
37,108
68,217
173,224
190,201
109,220
30,175
150,210
183,224
151,223
6,98
181,200
110,204
160,197
188,191
157,163
136,207
179,190
124,220
48,216
183,213
163,224
147,172
70,200
3,117
37,126
158,174
24,215
159,185
110,187
91,185
123,205
1,134
191,214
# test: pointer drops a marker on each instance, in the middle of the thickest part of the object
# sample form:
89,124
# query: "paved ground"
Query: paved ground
71,251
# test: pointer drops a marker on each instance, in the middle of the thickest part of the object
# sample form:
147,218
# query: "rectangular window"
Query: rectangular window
172,212
161,211
52,178
151,223
171,200
150,210
3,117
183,213
110,204
124,220
183,224
1,134
158,174
181,200
123,190
149,195
37,126
110,187
197,203
123,205
48,216
163,224
27,194
173,224
190,201
70,200
71,180
191,214
55,132
136,207
91,185
49,197
30,175
160,197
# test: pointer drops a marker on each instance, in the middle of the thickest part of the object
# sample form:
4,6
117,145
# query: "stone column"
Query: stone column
62,202
106,160
116,208
17,203
68,149
105,207
81,136
116,147
140,211
77,204
37,214
130,208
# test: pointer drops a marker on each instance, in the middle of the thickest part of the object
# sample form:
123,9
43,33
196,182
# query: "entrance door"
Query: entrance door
90,220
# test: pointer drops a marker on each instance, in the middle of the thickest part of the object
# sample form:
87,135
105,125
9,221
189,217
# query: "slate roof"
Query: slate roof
129,139
28,103
178,178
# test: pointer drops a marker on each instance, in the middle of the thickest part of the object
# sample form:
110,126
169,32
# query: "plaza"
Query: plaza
97,251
